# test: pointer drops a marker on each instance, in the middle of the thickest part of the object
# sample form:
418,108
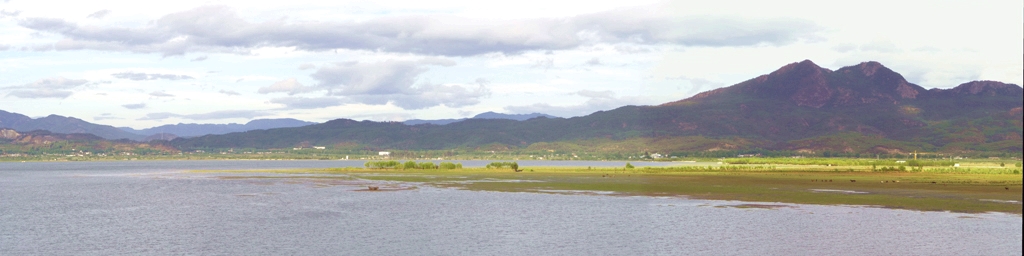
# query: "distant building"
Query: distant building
384,153
320,147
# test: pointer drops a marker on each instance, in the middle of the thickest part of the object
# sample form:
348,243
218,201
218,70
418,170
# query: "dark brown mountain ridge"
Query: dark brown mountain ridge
800,106
806,84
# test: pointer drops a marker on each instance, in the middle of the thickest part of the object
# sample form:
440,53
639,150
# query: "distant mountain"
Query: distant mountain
517,117
485,115
73,144
192,130
62,125
799,107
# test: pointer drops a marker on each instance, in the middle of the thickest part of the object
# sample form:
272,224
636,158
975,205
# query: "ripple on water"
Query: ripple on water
839,191
1001,201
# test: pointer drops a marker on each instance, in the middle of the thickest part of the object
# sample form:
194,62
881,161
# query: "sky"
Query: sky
142,64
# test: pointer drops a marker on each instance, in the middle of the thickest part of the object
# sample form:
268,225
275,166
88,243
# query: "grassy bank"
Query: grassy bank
927,191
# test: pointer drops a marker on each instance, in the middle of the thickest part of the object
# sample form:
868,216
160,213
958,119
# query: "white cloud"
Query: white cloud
160,94
390,81
222,29
134,106
306,66
290,86
308,103
53,87
145,76
596,101
364,59
99,14
215,115
229,93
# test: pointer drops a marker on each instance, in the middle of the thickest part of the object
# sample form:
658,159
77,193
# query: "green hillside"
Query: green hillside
865,108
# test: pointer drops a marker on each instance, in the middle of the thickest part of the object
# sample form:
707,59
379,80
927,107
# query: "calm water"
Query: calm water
104,208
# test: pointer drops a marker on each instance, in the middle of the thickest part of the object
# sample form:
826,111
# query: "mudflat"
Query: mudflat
925,191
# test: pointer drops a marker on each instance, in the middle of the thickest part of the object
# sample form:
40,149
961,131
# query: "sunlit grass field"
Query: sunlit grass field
977,187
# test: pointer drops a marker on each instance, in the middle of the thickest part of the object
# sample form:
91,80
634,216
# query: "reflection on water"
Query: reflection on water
149,208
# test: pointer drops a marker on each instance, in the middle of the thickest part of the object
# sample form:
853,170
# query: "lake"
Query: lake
155,208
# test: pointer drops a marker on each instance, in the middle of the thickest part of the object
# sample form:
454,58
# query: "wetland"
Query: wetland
326,207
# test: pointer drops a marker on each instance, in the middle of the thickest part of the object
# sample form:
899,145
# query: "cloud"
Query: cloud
6,13
429,95
134,106
160,94
290,86
631,49
53,87
379,78
144,76
593,62
545,63
224,114
308,103
391,81
598,100
230,93
221,29
306,66
99,14
106,116
200,58
697,84
596,94
56,83
4,47
873,46
158,116
40,93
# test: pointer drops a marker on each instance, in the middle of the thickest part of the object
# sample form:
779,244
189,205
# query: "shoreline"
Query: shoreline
962,193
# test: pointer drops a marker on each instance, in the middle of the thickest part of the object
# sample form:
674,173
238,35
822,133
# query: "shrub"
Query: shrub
381,164
513,165
428,165
629,166
448,165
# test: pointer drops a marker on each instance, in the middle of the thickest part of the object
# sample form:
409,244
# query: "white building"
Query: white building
384,153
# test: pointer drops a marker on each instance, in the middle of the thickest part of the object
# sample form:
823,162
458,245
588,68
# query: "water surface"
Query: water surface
104,208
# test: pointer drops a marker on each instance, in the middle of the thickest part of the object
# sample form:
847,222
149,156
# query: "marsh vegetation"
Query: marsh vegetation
974,187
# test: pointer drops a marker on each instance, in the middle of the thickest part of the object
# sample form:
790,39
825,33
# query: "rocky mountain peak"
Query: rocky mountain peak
869,68
990,88
804,67
883,80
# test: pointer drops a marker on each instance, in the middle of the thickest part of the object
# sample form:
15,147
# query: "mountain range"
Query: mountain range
484,115
799,107
192,130
70,125
63,125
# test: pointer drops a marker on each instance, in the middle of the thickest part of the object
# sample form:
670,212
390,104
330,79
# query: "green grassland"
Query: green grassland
986,188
